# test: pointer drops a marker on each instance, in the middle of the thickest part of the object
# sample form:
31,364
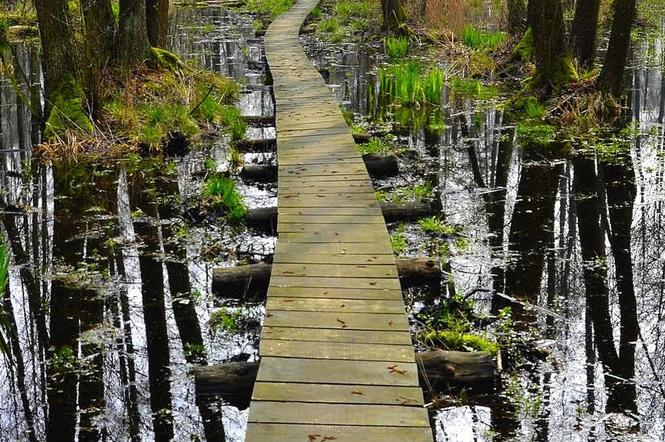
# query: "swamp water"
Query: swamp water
491,188
138,314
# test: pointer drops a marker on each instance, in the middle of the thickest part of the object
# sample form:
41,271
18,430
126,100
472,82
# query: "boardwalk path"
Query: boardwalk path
336,356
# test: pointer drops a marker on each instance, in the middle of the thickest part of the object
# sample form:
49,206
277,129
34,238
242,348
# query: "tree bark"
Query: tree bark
393,14
132,46
546,21
516,16
611,77
157,19
584,30
234,381
57,36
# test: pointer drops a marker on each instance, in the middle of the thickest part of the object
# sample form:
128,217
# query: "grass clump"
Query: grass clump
436,226
457,341
224,321
472,88
477,39
381,146
150,108
222,194
396,47
269,9
407,194
405,84
433,85
398,240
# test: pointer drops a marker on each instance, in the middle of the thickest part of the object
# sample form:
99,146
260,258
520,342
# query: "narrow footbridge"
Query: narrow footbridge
337,362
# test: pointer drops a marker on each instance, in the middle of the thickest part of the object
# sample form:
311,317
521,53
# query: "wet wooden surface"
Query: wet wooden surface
336,356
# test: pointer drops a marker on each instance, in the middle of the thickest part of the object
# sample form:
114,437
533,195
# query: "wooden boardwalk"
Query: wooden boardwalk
337,363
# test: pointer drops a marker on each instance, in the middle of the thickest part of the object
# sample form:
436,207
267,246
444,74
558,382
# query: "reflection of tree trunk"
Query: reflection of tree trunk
621,192
61,372
184,312
91,387
154,316
126,355
17,358
532,226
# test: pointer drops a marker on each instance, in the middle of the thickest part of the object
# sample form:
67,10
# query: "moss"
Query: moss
67,113
165,59
454,340
524,49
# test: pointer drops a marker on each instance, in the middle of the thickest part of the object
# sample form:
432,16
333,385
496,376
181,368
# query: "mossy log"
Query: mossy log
234,381
250,282
265,218
378,166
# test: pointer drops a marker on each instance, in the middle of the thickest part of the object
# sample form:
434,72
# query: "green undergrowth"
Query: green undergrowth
178,99
450,325
482,40
398,240
409,84
436,226
221,194
346,19
381,146
406,194
473,88
224,321
396,48
268,9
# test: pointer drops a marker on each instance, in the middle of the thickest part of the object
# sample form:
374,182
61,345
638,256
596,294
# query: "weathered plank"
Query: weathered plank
343,394
337,351
339,414
341,305
333,293
336,271
330,335
337,433
320,281
341,321
320,371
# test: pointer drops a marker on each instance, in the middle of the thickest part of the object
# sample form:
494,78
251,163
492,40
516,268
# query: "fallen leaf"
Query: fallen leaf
313,437
358,392
325,438
373,283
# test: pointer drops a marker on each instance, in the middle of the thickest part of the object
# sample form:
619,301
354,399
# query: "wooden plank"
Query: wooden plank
319,257
315,227
343,394
337,433
336,270
333,293
340,283
341,321
341,305
330,335
329,219
337,351
336,235
336,248
320,371
339,414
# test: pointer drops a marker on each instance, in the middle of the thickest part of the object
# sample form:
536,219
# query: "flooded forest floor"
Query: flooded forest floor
124,273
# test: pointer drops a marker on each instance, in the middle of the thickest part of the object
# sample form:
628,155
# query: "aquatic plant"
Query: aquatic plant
482,40
224,320
396,47
472,88
222,193
433,85
398,240
435,225
4,280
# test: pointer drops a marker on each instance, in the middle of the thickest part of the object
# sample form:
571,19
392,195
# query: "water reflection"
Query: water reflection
573,245
109,288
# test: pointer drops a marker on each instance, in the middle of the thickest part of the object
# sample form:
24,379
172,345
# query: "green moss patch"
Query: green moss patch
67,111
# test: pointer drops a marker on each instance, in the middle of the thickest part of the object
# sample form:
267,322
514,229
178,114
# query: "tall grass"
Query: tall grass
407,85
396,47
222,193
482,40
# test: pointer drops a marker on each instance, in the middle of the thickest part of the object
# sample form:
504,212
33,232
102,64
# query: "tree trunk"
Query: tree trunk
546,21
157,19
133,46
516,16
393,14
611,77
57,39
584,30
99,25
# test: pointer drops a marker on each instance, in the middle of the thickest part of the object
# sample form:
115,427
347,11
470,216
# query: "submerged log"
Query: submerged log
378,166
250,282
234,381
265,218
